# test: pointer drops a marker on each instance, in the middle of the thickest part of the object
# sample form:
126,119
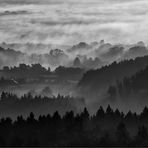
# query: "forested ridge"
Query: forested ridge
96,79
107,127
137,83
12,105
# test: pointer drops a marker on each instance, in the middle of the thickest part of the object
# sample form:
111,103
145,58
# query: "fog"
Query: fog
98,32
90,54
66,22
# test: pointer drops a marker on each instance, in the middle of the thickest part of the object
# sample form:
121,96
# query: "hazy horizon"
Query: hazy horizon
68,22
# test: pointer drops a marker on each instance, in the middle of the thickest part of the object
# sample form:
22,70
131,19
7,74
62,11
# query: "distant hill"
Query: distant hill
137,83
95,80
131,92
36,73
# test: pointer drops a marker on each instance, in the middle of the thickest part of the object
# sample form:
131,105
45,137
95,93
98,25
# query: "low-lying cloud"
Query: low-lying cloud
5,13
68,22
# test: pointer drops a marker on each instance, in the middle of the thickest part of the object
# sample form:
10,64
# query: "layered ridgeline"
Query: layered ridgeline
84,55
38,80
94,85
99,78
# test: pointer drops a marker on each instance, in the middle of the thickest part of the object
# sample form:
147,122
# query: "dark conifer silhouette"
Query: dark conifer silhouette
122,135
105,128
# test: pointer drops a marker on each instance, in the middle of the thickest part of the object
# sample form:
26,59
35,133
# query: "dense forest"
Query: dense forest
137,83
41,118
12,105
113,71
105,128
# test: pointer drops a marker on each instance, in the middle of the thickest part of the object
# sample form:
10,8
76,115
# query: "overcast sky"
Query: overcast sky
71,21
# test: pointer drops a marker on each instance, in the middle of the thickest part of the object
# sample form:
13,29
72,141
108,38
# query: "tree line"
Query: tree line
12,105
38,73
105,128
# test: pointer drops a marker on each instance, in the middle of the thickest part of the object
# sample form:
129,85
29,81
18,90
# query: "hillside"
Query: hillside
95,80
